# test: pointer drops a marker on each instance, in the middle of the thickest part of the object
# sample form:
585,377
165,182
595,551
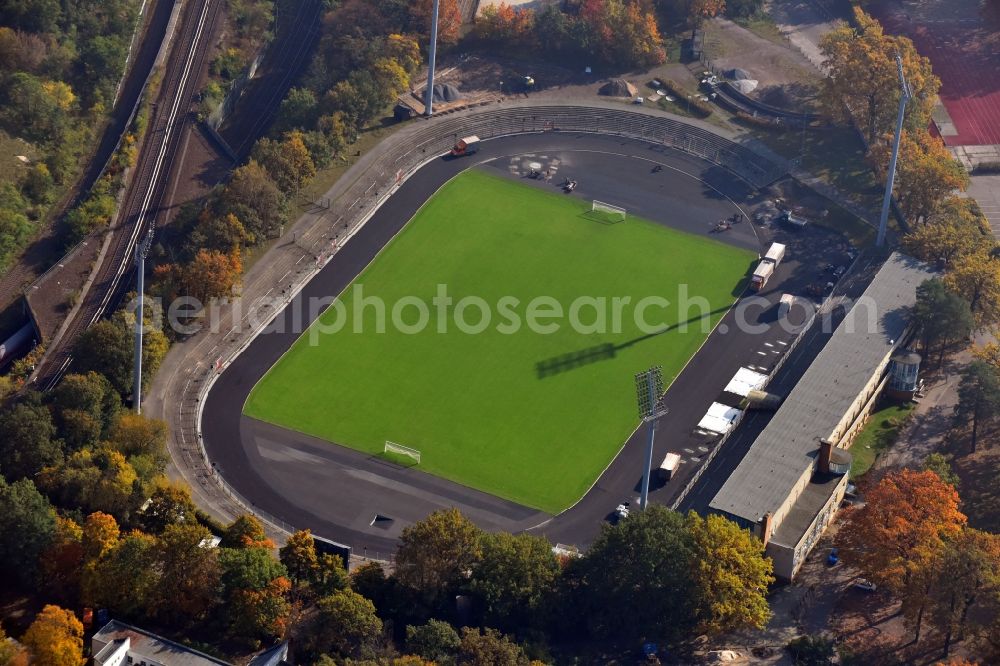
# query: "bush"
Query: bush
697,106
760,121
812,651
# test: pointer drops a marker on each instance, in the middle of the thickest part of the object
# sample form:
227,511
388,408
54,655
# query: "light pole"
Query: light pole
904,97
648,391
141,251
432,55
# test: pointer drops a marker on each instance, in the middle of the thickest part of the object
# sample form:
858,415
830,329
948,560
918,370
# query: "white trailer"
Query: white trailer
761,275
669,465
775,253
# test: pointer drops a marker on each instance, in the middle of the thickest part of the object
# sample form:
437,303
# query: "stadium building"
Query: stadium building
791,482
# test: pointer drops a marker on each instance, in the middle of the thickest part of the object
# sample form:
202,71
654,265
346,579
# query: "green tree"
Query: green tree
190,574
939,464
27,440
941,316
812,651
435,553
55,638
126,579
256,201
298,110
730,575
254,593
170,504
636,581
514,578
29,524
91,394
489,648
346,625
437,641
107,348
978,398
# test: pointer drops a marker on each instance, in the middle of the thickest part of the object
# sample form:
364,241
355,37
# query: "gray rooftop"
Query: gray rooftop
787,446
154,647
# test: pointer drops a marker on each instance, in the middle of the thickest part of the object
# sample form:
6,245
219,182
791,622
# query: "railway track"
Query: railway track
144,192
285,58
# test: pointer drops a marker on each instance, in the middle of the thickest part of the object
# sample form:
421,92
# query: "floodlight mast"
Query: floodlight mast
432,55
141,251
904,97
648,389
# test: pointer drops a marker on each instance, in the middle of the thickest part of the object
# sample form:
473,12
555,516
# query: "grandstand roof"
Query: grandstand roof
787,446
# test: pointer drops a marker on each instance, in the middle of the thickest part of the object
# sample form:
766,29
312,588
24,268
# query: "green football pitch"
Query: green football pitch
523,411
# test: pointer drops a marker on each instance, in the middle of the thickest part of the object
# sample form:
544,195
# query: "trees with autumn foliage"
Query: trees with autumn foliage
976,278
906,520
620,33
449,19
862,82
927,172
210,274
956,228
55,638
287,161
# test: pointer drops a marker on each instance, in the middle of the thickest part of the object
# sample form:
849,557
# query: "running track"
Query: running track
965,54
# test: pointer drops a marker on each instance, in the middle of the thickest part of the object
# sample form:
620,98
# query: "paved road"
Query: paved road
340,493
733,451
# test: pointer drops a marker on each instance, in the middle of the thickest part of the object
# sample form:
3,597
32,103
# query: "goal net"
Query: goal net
606,212
400,453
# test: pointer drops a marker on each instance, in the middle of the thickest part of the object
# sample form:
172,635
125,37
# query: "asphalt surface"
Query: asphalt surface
363,501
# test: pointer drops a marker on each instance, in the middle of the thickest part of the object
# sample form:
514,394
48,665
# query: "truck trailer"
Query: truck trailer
466,146
669,466
765,269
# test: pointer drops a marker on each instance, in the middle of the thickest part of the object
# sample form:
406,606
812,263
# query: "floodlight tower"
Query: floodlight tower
904,97
648,389
429,93
141,252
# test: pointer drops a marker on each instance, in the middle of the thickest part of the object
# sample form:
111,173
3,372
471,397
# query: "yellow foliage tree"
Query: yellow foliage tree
927,173
956,229
976,278
55,638
863,80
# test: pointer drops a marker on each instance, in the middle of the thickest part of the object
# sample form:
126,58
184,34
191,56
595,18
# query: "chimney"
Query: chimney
825,449
765,527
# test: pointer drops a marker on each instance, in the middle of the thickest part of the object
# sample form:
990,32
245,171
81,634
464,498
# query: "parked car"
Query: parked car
865,585
833,558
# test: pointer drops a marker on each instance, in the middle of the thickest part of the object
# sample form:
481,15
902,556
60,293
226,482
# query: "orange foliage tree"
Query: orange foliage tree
55,638
908,518
449,19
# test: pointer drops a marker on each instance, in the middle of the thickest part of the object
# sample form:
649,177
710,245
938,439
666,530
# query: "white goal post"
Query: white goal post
399,449
611,212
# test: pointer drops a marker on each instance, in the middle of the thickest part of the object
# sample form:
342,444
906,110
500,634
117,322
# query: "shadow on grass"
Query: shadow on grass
577,359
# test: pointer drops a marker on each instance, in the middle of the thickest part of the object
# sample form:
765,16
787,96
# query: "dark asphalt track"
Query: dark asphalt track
337,492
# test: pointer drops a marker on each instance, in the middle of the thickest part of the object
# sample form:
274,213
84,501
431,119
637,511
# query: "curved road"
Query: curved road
359,500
